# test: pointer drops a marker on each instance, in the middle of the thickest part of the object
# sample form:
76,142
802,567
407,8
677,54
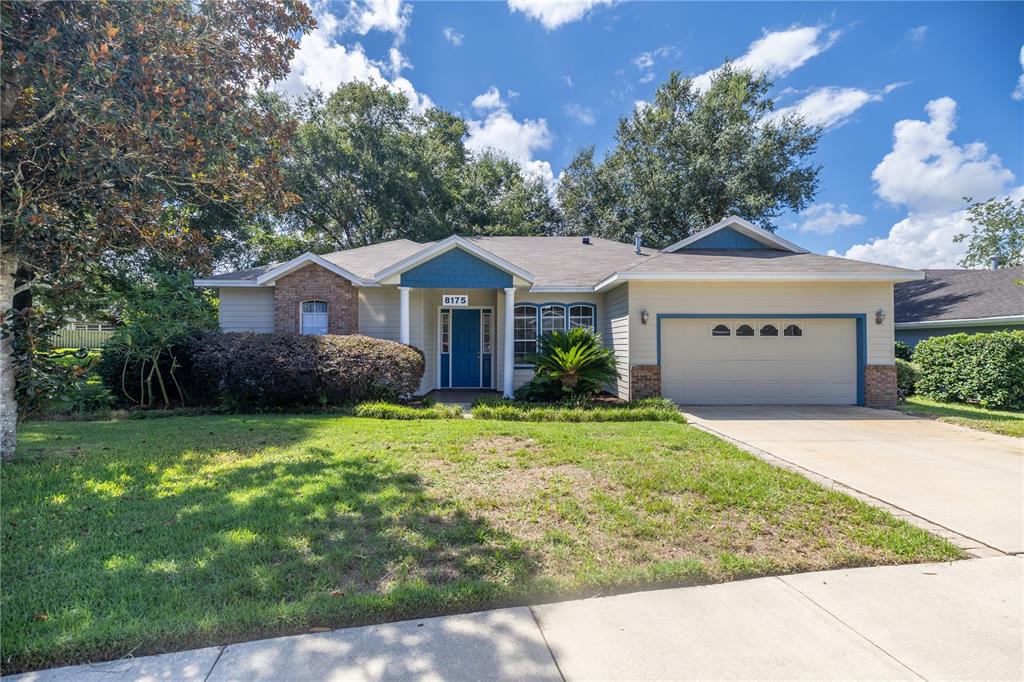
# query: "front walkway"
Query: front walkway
967,481
935,621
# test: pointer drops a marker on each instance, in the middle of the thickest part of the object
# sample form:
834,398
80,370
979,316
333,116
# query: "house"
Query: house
731,315
953,301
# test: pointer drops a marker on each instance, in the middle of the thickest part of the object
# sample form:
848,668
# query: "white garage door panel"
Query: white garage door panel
818,367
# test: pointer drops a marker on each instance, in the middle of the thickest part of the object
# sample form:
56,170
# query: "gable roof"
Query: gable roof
961,295
566,264
741,227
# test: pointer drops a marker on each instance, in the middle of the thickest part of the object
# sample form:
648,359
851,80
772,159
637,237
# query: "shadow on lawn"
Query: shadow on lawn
216,539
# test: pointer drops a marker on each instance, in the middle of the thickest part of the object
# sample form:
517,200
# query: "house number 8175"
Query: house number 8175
455,300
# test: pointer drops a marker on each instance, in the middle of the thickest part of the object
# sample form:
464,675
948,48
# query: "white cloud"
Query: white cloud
580,113
452,36
390,16
832,106
554,13
918,241
778,53
568,81
1018,93
927,171
640,104
929,174
645,60
490,99
323,62
825,218
917,34
501,132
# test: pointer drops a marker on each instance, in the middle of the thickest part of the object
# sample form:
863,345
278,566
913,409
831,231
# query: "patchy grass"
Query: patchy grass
135,537
1005,422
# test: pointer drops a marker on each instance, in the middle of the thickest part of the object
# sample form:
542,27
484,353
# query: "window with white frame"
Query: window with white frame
524,332
445,330
582,316
552,318
314,317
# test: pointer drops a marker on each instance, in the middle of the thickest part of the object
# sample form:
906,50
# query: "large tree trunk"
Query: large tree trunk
8,403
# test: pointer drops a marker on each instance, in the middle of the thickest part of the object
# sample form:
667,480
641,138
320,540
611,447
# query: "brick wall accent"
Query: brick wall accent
314,283
644,381
880,386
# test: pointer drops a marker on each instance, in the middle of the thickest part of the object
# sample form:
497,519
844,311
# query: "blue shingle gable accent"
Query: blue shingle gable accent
456,268
726,238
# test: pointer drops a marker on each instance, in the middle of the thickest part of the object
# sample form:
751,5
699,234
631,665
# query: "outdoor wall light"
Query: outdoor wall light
879,316
644,316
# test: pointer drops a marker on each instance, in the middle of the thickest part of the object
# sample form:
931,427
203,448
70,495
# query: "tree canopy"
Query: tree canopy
690,158
997,231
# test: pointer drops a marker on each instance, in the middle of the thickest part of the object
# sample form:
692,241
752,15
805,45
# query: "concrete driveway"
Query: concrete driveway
968,481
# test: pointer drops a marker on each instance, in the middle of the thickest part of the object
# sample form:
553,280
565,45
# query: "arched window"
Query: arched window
744,330
769,330
552,318
313,317
524,332
721,330
582,316
793,330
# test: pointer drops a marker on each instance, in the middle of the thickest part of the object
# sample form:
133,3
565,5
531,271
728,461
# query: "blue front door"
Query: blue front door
465,348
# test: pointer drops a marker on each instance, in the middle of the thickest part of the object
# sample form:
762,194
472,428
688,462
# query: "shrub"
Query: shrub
572,363
906,376
269,370
384,410
655,409
903,351
986,368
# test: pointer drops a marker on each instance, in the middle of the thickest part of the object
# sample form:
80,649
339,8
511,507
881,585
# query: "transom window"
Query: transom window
793,330
532,321
769,330
314,317
721,330
744,330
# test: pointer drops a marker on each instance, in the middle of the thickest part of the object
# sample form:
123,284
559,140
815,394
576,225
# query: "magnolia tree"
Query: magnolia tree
114,112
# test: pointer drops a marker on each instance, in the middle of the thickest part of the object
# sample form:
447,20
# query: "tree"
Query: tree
115,111
691,158
997,232
369,169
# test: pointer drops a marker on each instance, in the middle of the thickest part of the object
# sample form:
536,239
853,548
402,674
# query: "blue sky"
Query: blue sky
923,102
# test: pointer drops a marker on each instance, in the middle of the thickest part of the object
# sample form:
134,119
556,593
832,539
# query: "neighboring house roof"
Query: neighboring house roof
569,264
960,297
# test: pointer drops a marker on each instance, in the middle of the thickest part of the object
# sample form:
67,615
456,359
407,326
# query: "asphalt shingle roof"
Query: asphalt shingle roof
960,295
568,262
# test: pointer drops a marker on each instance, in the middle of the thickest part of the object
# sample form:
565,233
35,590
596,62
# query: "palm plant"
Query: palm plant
575,361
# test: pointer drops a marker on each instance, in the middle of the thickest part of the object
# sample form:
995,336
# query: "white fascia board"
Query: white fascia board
967,322
554,289
445,245
224,283
757,277
303,260
743,226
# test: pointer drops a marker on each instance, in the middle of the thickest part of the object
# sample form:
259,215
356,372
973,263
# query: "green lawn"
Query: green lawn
147,535
1006,422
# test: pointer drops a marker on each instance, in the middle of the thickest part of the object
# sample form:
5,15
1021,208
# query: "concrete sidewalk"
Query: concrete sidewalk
961,620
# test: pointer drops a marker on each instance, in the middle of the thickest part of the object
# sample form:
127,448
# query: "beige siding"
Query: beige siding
378,312
616,334
761,298
246,309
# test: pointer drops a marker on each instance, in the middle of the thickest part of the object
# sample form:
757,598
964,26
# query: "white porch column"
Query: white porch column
508,362
403,314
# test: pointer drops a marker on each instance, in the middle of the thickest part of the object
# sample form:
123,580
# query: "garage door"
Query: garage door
759,361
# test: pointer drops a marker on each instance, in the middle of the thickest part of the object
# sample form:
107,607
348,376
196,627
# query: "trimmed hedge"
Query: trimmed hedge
906,376
383,410
903,351
985,368
652,409
272,370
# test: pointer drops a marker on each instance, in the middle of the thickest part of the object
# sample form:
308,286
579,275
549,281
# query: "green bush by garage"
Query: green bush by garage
986,369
